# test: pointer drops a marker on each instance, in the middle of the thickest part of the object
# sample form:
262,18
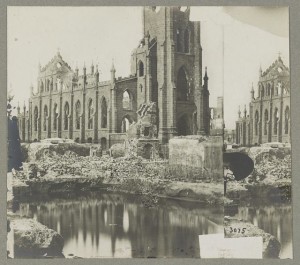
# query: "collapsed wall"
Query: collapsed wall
197,156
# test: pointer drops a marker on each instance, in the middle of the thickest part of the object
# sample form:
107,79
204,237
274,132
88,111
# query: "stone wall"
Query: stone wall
197,155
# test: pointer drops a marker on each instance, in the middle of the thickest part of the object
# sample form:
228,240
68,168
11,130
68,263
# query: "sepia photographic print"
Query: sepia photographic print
148,132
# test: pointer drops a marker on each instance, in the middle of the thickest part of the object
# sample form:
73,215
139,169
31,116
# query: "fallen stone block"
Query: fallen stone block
235,228
33,238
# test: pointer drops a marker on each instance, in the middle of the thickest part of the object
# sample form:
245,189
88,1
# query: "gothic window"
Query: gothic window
256,122
186,41
104,114
286,120
284,90
45,118
55,115
269,90
272,90
182,86
266,90
279,87
35,118
266,118
141,68
178,41
42,86
48,85
126,102
125,125
276,119
66,116
262,91
77,115
90,114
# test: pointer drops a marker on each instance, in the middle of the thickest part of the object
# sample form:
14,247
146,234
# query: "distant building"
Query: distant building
166,69
217,118
229,136
269,113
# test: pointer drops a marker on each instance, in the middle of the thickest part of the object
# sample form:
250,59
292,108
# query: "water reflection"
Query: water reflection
113,225
275,219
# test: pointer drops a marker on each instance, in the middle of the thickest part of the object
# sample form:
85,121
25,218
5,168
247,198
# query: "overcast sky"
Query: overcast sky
235,41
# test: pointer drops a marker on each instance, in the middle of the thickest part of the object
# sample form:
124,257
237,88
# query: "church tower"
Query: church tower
168,64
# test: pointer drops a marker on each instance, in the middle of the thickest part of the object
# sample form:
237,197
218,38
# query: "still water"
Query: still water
118,225
274,219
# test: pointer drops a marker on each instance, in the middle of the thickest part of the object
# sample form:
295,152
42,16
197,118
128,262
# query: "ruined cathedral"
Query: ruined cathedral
268,119
164,89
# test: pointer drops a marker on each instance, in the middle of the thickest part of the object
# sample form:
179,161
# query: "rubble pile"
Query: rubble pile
51,164
273,164
54,172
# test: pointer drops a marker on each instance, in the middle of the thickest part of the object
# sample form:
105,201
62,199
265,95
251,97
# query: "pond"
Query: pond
98,225
119,225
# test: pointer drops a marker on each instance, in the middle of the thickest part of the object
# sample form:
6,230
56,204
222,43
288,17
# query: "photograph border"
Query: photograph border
294,40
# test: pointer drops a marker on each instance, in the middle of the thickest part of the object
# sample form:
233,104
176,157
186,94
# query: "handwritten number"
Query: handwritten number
237,230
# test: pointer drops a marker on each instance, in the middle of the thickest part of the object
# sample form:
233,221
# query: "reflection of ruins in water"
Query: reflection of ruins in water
276,220
111,225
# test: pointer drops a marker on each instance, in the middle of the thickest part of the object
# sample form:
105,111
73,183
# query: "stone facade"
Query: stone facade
269,113
166,69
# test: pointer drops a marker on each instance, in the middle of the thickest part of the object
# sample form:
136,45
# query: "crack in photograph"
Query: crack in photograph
148,132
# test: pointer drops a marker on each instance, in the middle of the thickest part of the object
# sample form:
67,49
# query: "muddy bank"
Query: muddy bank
149,190
277,191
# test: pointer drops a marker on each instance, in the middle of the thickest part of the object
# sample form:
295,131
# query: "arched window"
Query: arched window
42,86
90,114
266,118
186,41
279,87
66,116
256,122
178,41
269,90
35,118
286,119
126,102
55,115
77,115
125,124
141,68
45,118
262,91
48,85
266,91
272,90
276,119
276,90
104,114
182,86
